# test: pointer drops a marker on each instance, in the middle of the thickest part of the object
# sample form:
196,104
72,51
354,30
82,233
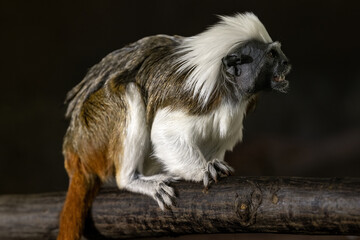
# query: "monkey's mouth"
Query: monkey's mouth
279,83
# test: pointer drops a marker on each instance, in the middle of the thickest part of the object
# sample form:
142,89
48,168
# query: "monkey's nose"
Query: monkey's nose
285,62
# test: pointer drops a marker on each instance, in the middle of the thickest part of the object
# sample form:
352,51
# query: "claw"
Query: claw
214,169
165,197
223,167
158,199
206,179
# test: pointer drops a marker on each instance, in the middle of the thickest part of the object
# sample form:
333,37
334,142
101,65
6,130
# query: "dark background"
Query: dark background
47,46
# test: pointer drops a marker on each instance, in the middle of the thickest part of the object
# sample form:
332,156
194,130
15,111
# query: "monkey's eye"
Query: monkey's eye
271,53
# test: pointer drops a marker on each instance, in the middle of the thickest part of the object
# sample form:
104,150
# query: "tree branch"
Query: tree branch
235,204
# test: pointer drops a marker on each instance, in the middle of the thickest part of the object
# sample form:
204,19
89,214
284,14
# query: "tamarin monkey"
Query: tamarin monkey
165,108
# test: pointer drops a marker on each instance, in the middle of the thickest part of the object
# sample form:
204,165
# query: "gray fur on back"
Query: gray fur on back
122,62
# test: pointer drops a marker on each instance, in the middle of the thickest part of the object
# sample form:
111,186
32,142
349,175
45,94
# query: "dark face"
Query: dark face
258,66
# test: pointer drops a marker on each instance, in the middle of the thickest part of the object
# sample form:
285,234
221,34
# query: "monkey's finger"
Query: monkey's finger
169,190
166,198
223,168
206,179
159,200
212,172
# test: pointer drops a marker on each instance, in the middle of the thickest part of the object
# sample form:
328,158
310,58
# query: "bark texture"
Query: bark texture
235,204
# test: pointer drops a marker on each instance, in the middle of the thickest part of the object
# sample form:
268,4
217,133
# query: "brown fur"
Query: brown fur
82,189
92,148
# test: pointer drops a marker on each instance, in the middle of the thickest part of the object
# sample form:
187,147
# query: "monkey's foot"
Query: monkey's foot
164,195
155,186
214,169
161,181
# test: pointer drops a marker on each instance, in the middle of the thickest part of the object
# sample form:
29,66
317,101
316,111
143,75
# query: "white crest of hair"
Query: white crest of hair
202,54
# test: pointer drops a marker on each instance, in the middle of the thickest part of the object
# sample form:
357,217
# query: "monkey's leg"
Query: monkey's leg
135,149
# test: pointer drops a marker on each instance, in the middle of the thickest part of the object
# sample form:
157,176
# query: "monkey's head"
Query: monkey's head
256,66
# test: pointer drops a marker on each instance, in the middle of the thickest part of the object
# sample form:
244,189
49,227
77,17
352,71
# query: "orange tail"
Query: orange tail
81,193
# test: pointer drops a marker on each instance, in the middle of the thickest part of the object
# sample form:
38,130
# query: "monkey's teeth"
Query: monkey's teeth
279,78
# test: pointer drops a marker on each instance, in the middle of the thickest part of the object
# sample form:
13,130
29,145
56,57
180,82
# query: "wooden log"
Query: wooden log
236,204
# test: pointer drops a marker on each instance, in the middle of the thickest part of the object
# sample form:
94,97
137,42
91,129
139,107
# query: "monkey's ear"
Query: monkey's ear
231,63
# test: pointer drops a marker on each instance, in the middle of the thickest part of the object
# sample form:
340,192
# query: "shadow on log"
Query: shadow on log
235,204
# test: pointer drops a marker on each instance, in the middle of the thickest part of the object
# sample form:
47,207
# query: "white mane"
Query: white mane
202,54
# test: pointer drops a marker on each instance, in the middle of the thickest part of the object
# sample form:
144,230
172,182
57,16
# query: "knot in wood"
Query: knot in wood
247,202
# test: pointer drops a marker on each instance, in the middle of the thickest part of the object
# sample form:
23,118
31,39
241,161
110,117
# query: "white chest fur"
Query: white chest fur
179,138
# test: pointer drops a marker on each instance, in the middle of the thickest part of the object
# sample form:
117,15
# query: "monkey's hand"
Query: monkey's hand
214,169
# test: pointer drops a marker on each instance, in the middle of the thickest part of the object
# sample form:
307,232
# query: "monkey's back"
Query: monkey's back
97,106
121,65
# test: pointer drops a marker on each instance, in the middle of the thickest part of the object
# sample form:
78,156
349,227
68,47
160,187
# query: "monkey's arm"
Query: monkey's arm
177,138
